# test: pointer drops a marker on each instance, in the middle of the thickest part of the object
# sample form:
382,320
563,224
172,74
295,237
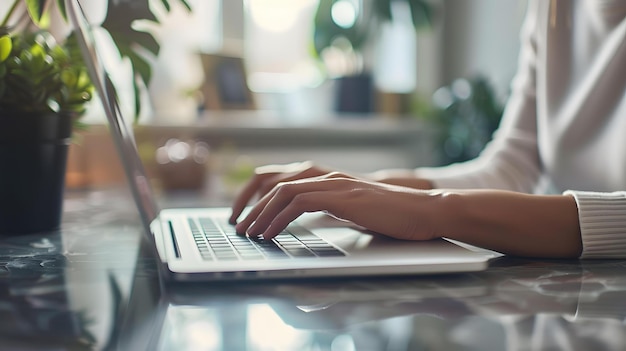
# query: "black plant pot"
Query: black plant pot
33,157
355,94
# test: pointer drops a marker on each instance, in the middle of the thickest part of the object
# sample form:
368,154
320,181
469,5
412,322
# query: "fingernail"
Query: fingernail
267,235
253,231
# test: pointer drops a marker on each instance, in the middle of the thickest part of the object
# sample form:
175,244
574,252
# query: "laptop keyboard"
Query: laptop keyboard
218,241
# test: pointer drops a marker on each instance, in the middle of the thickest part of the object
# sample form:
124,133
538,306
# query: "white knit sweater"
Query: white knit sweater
564,125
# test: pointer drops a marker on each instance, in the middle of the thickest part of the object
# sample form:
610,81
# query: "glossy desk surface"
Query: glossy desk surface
95,286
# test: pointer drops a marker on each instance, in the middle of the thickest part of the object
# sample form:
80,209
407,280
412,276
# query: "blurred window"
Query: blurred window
278,45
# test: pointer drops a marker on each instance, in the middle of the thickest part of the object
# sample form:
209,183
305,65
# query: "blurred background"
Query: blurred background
353,84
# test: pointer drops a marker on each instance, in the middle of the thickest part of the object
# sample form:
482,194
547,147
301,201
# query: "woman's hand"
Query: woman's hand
504,221
267,177
391,210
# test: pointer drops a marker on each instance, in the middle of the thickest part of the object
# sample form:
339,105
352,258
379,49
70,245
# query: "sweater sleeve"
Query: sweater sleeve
511,160
602,218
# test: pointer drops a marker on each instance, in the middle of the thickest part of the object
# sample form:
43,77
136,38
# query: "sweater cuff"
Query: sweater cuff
602,218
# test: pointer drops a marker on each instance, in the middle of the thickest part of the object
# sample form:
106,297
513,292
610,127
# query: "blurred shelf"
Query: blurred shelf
265,129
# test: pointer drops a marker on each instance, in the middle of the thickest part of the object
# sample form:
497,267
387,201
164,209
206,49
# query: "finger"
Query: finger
271,183
304,172
282,194
244,197
243,226
269,205
337,175
308,202
265,179
264,212
284,168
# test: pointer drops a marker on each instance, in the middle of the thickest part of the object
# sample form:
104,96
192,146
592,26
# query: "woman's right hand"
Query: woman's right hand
267,177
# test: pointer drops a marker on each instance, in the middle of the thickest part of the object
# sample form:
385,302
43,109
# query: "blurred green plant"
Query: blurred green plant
37,75
466,114
328,33
31,59
327,30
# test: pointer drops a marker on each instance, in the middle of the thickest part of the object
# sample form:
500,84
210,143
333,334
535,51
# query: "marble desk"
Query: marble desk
95,286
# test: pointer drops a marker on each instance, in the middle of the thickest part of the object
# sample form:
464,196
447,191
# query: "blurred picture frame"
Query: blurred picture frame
225,86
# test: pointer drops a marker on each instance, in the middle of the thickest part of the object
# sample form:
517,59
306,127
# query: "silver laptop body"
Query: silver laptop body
193,244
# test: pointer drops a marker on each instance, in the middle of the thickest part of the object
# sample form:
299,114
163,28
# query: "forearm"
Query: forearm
513,223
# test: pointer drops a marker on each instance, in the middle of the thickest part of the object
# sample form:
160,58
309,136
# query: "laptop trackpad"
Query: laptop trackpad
355,239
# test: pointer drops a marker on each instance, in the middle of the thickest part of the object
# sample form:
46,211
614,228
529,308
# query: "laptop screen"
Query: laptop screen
121,132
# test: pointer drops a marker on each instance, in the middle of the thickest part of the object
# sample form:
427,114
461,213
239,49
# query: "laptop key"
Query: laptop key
328,253
300,252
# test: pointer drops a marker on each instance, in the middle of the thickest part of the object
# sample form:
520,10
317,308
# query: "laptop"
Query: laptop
198,244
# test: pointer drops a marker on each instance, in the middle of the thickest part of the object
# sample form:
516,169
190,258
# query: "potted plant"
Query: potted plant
44,88
343,29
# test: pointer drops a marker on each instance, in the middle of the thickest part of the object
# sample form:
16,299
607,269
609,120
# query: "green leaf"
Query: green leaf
61,5
422,13
183,2
69,78
119,23
141,65
6,45
130,42
36,73
326,30
36,10
383,9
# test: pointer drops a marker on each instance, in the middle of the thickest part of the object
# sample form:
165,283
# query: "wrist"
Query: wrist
450,214
512,223
405,178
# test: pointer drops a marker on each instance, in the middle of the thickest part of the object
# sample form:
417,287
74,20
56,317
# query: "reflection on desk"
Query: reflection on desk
95,286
